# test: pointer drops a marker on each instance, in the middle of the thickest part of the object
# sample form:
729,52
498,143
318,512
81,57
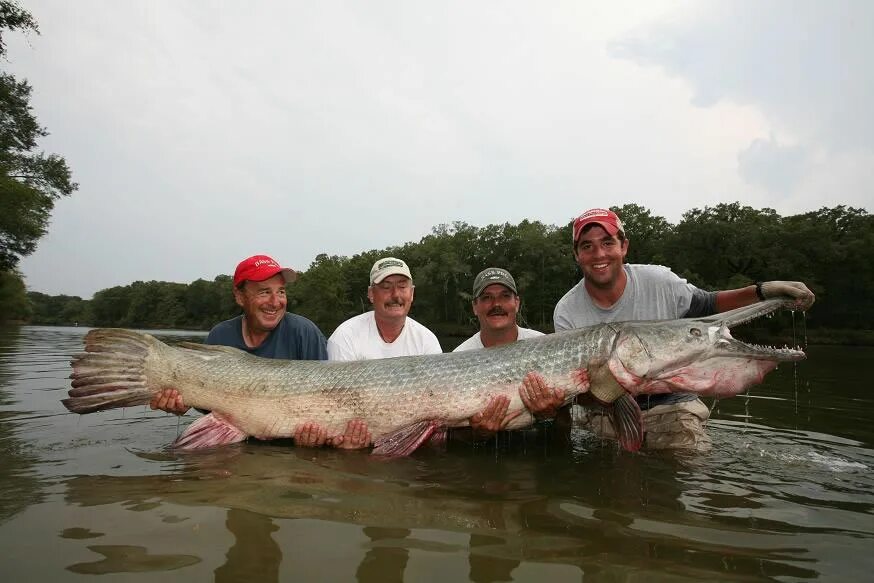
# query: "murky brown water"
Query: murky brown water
787,494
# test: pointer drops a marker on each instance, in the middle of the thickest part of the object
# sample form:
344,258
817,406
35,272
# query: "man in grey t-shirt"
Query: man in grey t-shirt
612,291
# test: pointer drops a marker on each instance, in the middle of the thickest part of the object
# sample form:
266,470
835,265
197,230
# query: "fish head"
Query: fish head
697,355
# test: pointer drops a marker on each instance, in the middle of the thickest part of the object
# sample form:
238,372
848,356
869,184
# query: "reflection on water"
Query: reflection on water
785,494
128,559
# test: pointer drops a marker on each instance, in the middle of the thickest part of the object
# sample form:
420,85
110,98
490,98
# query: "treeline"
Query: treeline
720,247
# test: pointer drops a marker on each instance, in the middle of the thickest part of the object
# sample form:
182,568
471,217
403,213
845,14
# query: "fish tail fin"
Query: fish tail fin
628,422
111,372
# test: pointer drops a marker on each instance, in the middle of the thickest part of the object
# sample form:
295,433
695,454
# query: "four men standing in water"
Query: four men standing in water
609,291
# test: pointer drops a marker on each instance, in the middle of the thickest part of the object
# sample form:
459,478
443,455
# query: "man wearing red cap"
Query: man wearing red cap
266,329
613,291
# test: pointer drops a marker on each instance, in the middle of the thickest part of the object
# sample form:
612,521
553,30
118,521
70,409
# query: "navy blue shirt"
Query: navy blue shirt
295,338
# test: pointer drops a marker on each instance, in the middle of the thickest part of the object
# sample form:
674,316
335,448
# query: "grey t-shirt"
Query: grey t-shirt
653,292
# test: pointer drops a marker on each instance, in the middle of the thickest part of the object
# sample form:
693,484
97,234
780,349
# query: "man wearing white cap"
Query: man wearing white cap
613,291
387,330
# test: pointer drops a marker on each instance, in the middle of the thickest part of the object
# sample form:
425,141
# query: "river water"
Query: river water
786,494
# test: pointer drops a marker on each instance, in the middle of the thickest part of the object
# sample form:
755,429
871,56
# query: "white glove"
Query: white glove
794,290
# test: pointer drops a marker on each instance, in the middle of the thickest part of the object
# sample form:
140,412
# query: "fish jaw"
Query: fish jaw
696,355
714,377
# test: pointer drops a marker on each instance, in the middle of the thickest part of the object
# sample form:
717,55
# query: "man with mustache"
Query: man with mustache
496,303
386,331
613,291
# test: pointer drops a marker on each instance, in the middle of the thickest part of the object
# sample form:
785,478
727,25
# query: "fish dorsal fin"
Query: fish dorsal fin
209,348
405,440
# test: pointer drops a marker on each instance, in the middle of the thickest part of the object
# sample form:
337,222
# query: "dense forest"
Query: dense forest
720,247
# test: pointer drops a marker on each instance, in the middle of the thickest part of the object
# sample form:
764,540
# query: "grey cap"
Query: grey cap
492,275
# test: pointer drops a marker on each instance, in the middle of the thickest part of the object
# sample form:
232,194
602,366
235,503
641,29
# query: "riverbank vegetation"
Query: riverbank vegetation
720,247
31,181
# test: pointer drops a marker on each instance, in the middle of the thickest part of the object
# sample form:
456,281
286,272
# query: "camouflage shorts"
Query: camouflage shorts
672,426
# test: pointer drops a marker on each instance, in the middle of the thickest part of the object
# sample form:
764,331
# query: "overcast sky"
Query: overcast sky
204,132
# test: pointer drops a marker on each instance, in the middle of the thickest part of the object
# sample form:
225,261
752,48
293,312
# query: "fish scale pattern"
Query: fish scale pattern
270,398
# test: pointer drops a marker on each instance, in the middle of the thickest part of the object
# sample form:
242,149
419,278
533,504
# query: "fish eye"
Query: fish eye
695,332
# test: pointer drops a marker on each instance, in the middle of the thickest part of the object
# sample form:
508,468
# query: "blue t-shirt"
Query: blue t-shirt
294,338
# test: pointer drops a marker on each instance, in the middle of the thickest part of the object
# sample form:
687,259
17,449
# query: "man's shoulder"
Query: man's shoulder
298,322
471,343
571,294
418,327
528,333
354,323
651,271
230,324
226,332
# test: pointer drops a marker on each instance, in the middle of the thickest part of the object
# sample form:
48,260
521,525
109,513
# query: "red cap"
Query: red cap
259,268
603,217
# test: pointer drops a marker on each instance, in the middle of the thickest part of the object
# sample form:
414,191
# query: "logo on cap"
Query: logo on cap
491,275
606,218
388,266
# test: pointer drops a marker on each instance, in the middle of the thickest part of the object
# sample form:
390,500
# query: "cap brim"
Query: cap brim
382,276
611,229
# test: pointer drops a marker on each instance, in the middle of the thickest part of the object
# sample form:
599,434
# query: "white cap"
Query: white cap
388,266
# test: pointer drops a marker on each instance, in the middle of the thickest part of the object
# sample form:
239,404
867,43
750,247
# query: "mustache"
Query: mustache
497,311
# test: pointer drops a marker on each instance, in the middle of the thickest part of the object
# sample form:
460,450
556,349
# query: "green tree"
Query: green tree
647,234
724,245
13,297
320,293
13,17
110,306
30,180
203,303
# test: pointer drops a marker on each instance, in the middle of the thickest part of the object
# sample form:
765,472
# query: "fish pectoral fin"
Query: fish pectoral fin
405,440
628,422
603,385
209,431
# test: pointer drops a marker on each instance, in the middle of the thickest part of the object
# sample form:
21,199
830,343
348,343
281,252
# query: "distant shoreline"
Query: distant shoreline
815,337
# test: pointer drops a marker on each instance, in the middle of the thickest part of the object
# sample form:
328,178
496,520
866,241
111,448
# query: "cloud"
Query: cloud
776,167
803,64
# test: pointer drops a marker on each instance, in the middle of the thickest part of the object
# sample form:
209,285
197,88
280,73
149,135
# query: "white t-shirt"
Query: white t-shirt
358,339
475,341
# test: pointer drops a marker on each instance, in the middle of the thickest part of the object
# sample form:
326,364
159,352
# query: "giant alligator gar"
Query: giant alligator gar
405,400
